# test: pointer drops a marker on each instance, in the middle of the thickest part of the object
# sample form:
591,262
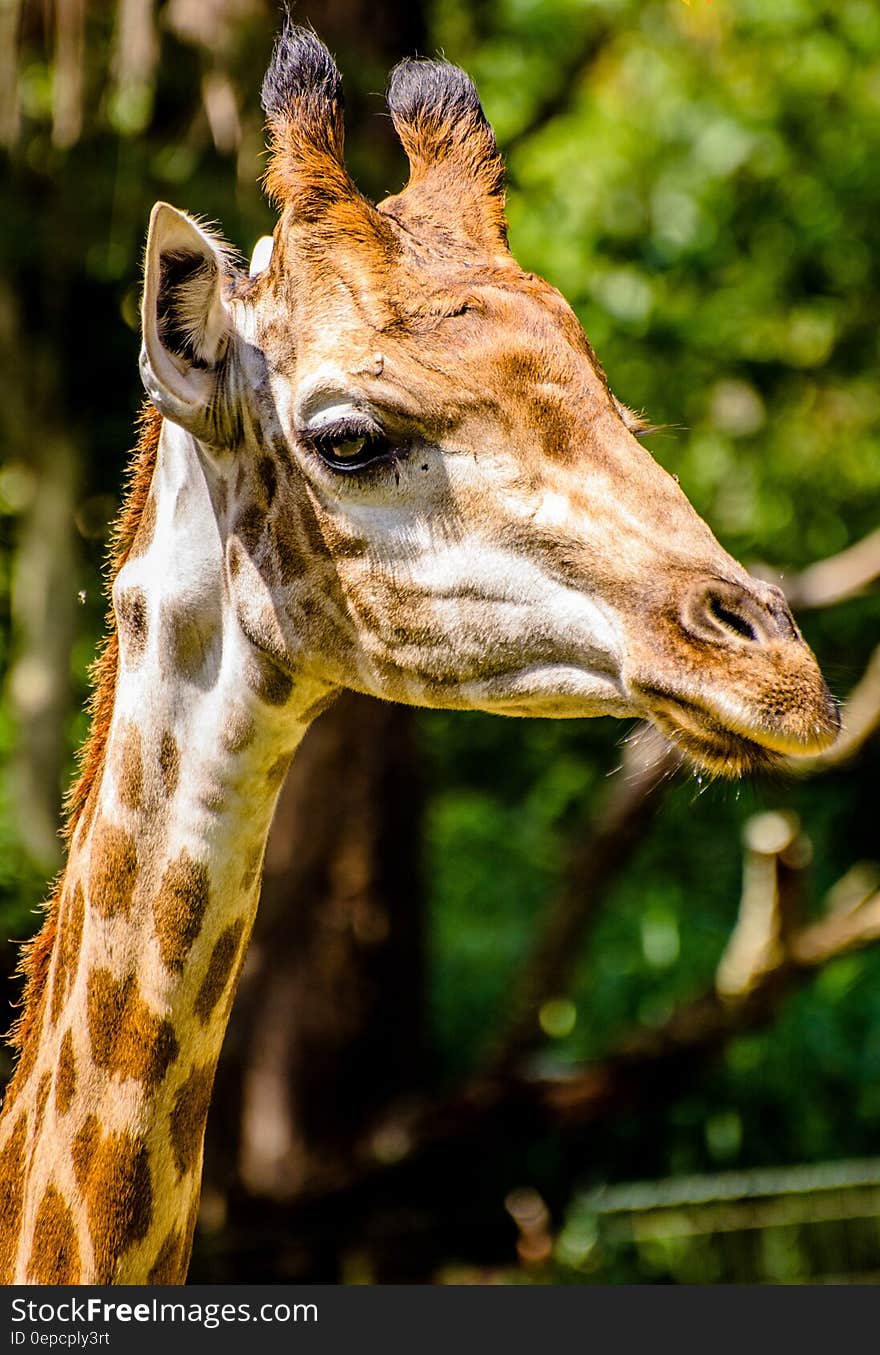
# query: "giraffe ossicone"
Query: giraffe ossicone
261,255
387,460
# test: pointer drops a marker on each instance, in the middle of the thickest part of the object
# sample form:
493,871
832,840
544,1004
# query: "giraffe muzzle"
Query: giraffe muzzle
738,688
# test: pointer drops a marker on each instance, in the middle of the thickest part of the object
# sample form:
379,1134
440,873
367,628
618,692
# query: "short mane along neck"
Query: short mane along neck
132,979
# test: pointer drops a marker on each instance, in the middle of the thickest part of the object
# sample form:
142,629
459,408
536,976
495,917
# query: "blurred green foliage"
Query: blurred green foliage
701,182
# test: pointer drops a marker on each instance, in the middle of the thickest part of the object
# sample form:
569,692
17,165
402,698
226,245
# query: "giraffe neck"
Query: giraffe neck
101,1136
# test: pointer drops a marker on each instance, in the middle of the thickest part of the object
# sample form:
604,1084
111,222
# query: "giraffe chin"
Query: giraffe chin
732,737
717,751
724,750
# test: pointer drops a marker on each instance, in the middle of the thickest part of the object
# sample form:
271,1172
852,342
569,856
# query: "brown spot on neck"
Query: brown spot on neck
249,527
238,732
169,763
128,1038
277,772
252,867
11,1197
88,812
269,682
219,968
43,1089
179,907
131,618
130,767
169,1265
190,644
192,1220
65,1077
188,1117
85,1142
112,869
118,1194
67,947
54,1255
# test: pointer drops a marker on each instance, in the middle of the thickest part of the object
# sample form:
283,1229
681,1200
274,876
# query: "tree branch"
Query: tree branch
836,579
560,91
769,953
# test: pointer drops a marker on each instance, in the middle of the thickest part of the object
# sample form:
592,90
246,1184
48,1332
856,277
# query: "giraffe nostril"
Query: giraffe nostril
732,620
729,613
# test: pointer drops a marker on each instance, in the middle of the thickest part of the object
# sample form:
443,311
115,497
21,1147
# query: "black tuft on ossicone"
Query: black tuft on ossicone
300,67
419,88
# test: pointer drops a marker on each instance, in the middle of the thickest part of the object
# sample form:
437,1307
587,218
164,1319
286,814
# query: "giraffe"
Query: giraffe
388,460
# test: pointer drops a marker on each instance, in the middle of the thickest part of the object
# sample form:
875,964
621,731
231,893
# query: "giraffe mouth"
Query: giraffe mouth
711,747
728,745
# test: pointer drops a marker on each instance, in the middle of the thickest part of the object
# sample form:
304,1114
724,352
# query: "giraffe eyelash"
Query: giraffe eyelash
328,441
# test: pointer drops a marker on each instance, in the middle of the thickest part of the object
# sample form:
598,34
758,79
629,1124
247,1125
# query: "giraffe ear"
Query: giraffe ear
186,322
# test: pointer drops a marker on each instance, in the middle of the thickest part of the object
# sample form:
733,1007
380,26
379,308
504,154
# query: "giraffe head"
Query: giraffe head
433,495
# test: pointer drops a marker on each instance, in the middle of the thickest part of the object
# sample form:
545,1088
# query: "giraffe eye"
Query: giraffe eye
350,449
